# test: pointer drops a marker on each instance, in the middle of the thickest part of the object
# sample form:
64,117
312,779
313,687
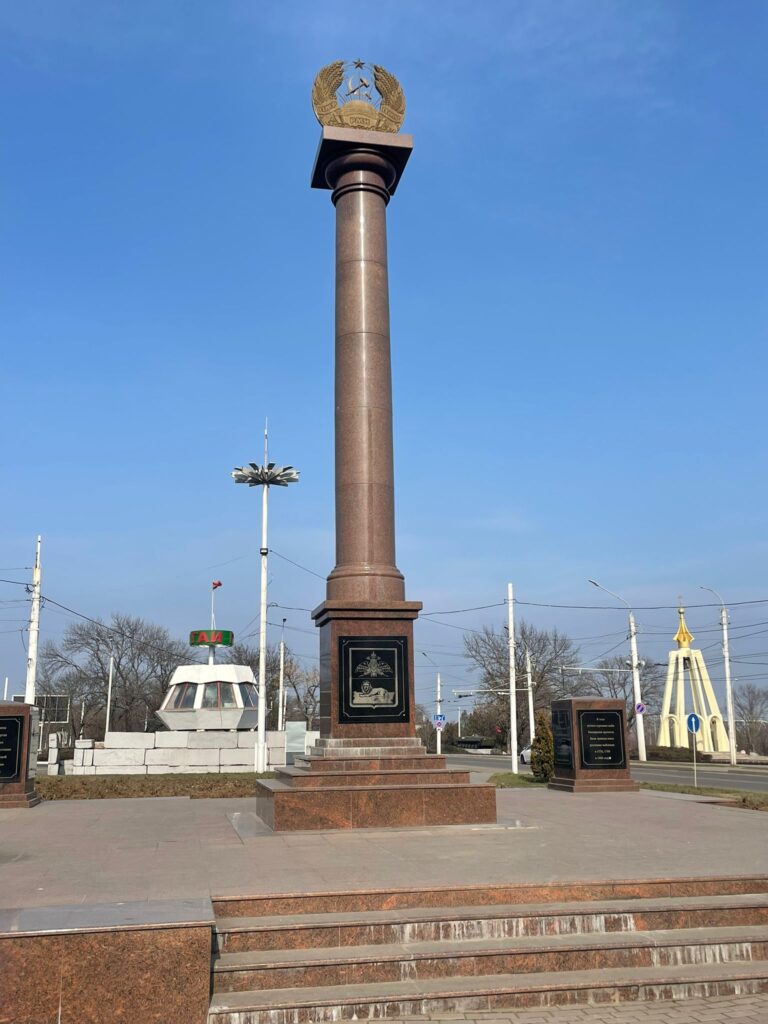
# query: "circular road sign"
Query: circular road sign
694,723
640,708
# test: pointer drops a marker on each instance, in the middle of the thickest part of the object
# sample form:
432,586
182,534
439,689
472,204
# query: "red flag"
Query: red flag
216,584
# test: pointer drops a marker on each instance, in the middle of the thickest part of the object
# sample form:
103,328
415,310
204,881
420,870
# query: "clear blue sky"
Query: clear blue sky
578,263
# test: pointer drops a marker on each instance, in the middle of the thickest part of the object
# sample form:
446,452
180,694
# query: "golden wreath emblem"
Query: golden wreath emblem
358,95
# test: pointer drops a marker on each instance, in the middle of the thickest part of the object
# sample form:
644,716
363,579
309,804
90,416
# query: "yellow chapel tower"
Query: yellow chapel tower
673,732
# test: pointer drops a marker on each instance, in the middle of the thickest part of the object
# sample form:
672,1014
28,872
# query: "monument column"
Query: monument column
365,500
366,625
368,768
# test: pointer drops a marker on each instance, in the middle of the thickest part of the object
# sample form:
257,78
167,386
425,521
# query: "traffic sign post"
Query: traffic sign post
694,724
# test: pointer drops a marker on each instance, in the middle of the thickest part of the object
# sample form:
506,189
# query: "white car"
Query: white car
525,755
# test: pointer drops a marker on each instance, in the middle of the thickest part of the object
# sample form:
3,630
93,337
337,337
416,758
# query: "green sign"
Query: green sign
211,638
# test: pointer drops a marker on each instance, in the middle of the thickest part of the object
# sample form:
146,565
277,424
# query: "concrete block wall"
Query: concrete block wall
139,753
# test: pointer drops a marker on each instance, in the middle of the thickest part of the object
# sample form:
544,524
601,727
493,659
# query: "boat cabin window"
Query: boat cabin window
250,695
227,691
211,695
184,699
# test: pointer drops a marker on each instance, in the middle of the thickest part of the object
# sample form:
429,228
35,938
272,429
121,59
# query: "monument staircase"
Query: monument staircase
288,959
372,782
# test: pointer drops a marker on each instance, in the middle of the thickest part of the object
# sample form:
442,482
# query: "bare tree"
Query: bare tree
612,677
549,651
305,699
751,705
145,656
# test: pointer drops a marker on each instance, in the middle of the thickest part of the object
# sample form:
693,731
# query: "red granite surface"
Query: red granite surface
151,975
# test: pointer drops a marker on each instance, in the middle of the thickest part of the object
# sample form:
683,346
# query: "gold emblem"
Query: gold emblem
370,99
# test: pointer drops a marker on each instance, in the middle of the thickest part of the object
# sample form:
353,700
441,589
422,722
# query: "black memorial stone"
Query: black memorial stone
11,733
373,681
561,736
601,735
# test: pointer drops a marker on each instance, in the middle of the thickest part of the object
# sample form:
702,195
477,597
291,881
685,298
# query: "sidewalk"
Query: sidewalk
105,851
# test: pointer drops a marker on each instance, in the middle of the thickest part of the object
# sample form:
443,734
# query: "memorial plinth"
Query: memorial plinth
591,746
18,755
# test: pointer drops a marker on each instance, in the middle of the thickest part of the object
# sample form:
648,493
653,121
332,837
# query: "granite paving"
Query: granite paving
103,851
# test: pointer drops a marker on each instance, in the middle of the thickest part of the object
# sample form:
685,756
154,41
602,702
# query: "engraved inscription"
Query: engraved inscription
373,685
11,732
601,734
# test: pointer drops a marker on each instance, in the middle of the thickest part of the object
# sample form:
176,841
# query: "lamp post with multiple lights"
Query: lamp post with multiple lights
266,476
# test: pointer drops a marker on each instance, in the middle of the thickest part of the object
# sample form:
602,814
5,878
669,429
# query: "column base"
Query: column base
366,669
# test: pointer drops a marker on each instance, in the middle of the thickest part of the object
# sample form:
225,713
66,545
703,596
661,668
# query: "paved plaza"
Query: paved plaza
738,1010
107,851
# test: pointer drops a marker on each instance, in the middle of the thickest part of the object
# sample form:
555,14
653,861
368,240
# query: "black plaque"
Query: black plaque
373,681
563,741
601,734
11,734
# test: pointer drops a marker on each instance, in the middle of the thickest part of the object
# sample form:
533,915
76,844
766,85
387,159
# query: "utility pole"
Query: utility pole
531,725
109,693
280,702
512,679
34,630
461,711
639,724
439,703
727,665
5,689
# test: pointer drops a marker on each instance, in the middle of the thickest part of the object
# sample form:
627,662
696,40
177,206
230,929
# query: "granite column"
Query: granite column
365,598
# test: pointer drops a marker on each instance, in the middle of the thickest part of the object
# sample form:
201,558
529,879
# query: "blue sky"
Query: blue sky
578,253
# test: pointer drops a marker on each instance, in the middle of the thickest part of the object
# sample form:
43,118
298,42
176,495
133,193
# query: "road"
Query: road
745,777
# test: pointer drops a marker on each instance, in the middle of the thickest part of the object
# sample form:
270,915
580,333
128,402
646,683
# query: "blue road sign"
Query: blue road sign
694,723
640,708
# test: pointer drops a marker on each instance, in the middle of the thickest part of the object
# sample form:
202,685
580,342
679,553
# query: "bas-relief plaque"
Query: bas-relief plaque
601,735
373,679
561,735
11,734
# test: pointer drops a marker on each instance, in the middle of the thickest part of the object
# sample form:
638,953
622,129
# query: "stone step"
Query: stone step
431,762
365,749
416,997
300,778
294,968
329,742
285,809
515,896
241,933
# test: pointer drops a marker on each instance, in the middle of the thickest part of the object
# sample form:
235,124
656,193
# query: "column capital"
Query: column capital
340,147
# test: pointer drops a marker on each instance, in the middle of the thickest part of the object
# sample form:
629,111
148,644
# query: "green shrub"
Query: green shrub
675,754
543,749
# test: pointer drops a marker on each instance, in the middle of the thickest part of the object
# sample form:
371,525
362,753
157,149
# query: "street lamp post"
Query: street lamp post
727,664
640,725
266,476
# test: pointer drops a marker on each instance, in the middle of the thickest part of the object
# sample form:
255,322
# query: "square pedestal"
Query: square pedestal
18,755
591,746
368,769
366,669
